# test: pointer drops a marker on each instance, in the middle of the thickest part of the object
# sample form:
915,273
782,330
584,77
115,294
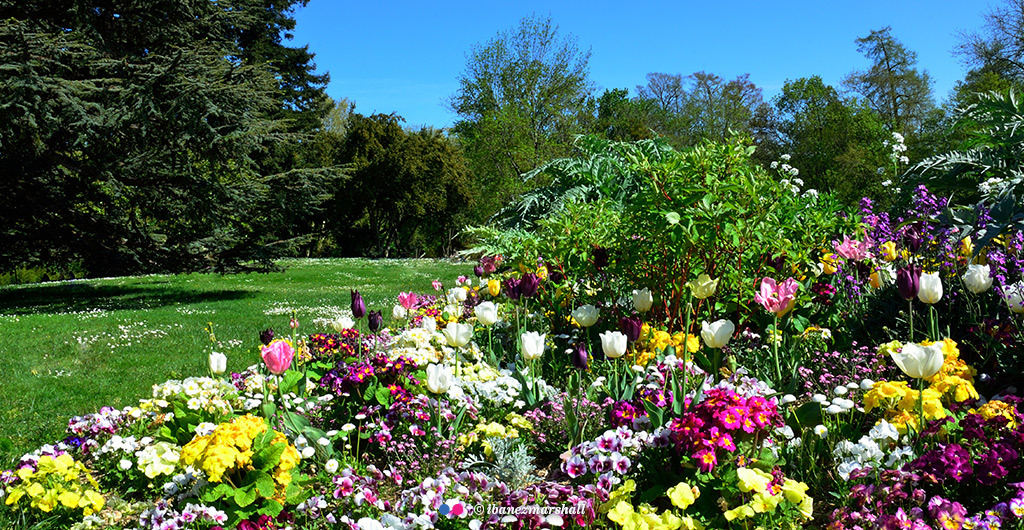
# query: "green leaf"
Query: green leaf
383,395
245,496
264,484
672,218
291,381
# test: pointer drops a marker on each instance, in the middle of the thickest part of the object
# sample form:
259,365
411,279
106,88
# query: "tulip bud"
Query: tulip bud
399,313
930,288
375,320
358,306
218,363
908,281
342,323
407,300
718,333
439,378
643,299
613,344
528,285
919,362
586,315
579,356
978,278
278,356
457,335
486,313
512,288
631,327
531,345
266,336
478,271
703,286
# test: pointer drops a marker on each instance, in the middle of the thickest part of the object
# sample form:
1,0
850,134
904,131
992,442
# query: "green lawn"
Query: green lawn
72,347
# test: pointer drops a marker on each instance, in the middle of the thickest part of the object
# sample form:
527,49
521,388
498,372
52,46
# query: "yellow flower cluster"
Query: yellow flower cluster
955,377
998,408
229,448
646,517
483,431
56,482
765,499
954,381
652,341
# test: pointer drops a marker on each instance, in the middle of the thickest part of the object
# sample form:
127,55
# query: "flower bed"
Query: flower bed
533,396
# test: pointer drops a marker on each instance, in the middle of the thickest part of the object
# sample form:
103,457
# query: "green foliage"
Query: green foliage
522,98
131,145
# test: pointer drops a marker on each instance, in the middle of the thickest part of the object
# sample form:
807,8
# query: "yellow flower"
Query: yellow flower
542,272
740,512
764,502
753,479
966,247
828,263
494,287
683,495
621,513
888,250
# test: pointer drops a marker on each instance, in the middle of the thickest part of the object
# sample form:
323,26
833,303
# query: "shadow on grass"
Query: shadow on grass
66,298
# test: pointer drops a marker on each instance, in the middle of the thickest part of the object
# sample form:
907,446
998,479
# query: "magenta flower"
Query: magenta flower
852,249
278,356
777,298
407,300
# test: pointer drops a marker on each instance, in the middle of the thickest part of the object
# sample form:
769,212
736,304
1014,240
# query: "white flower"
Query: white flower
532,345
774,164
930,291
919,362
586,315
840,390
643,299
866,384
1014,296
486,313
342,323
785,157
218,363
978,278
456,295
331,466
439,378
458,335
613,343
821,431
718,333
399,313
125,464
429,324
819,398
787,399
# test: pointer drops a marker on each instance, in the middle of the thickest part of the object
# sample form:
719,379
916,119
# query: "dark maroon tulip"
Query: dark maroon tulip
478,271
579,356
913,238
375,320
528,285
358,306
908,281
267,336
556,277
513,289
631,327
600,257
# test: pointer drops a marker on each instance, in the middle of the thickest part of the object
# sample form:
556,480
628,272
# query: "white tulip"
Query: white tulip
643,299
342,323
457,335
586,315
718,333
429,324
399,313
487,313
930,291
456,295
919,362
439,378
532,345
218,363
613,343
977,279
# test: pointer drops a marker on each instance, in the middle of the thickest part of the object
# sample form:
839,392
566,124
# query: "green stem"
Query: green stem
776,338
910,318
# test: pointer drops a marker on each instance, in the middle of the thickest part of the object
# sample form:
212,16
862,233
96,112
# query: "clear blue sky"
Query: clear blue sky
405,56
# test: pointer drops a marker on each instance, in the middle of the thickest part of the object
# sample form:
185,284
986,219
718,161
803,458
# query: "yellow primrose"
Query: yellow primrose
683,495
794,491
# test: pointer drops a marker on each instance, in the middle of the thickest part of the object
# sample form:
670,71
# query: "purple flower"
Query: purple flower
579,356
512,288
631,327
267,336
375,320
529,284
478,271
908,281
358,306
575,467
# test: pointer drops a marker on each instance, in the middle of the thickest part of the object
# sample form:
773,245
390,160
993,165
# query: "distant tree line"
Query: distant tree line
189,135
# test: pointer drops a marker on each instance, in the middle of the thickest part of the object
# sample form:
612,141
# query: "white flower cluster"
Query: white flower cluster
878,449
489,387
199,393
186,485
127,444
995,186
898,148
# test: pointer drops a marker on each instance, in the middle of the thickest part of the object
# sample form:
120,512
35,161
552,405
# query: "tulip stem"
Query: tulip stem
910,318
776,338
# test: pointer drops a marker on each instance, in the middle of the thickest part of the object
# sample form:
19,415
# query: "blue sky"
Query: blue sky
406,56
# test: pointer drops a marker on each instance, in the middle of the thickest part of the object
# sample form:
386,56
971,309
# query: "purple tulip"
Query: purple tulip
631,327
478,271
908,281
267,336
579,356
375,320
529,284
513,289
556,277
358,306
913,238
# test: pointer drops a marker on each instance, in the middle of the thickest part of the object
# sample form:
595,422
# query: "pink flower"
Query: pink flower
852,249
407,300
278,356
436,284
777,298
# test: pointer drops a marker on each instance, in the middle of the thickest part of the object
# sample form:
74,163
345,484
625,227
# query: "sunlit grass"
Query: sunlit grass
70,348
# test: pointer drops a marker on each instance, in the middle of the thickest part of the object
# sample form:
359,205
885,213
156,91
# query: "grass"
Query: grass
70,348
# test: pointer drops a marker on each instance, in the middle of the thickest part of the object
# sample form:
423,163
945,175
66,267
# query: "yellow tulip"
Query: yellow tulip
888,250
494,287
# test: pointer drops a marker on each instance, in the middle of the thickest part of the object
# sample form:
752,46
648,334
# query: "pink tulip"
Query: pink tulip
777,298
852,249
278,356
407,300
437,285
